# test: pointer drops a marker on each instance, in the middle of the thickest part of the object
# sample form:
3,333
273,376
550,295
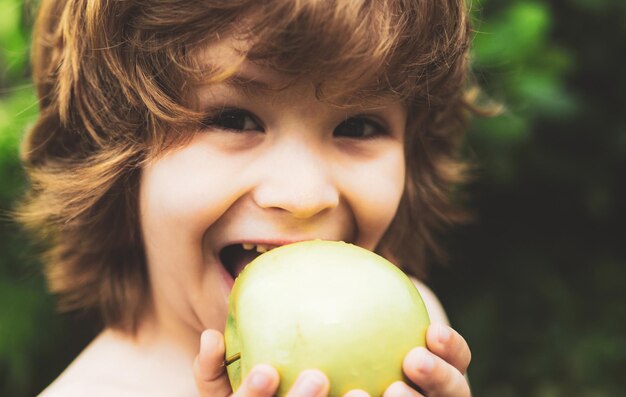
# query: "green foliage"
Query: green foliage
30,331
13,38
535,284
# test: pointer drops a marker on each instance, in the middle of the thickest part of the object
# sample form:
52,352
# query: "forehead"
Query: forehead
226,62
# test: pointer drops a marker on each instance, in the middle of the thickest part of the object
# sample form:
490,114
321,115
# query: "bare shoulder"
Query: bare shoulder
113,366
81,377
433,305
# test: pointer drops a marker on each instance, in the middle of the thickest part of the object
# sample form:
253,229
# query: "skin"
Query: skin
438,370
284,176
366,177
275,167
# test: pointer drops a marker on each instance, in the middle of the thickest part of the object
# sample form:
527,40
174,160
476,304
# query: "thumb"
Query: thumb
208,367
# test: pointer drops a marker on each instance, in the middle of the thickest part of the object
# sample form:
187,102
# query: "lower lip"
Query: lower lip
228,279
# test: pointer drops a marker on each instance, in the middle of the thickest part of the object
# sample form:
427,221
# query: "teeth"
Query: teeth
262,248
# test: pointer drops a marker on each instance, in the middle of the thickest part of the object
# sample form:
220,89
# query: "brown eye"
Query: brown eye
234,120
358,128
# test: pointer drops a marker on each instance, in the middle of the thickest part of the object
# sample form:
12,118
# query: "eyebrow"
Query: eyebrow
249,86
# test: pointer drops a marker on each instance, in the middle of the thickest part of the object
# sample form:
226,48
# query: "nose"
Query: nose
297,179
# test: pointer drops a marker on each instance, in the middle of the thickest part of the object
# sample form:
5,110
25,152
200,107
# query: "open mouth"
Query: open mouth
235,257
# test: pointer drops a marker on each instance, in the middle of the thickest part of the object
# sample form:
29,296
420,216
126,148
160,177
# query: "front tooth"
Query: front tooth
247,246
261,248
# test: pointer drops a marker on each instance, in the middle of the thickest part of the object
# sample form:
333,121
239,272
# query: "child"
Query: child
175,138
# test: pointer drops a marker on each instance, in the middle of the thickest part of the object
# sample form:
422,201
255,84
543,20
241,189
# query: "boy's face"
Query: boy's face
270,168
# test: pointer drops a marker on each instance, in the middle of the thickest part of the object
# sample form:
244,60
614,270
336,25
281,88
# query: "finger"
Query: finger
208,369
449,345
262,381
401,389
356,393
310,383
434,376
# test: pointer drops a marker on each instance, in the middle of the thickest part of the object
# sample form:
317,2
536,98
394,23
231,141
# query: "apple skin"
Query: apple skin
327,305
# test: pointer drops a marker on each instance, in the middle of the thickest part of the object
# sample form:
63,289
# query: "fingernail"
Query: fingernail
259,380
426,362
309,385
404,391
399,389
207,343
443,334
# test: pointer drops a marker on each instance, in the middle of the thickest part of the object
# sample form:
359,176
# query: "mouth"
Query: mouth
235,257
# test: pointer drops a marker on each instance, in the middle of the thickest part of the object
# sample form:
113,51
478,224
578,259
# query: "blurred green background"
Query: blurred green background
537,283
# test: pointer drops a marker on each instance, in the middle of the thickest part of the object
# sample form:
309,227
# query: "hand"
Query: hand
438,371
263,380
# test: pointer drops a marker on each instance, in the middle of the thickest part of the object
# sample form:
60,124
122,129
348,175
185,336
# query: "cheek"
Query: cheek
173,205
374,193
181,195
187,191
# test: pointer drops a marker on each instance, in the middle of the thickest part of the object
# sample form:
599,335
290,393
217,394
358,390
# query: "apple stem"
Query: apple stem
231,359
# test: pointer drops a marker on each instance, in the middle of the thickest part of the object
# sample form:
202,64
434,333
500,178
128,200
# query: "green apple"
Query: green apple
327,305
